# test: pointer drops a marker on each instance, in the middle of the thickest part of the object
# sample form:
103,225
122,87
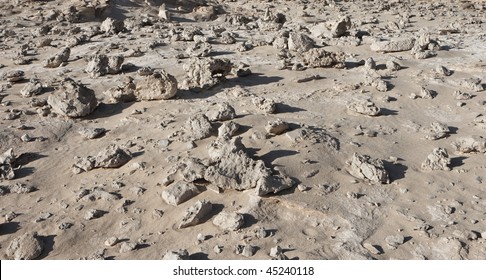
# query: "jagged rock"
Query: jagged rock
393,65
204,13
112,156
277,253
341,27
228,130
248,250
319,58
265,105
232,168
91,132
127,247
394,45
471,144
122,93
395,240
437,160
229,220
366,168
201,49
7,160
100,65
370,64
198,127
190,168
224,112
473,84
158,86
34,87
14,76
21,188
276,127
459,95
84,165
205,73
25,247
437,131
93,214
364,107
73,99
195,214
181,254
375,250
58,59
97,193
299,42
112,26
179,192
441,70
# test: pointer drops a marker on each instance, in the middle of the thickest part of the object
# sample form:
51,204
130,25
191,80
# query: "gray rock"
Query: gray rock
34,87
319,58
179,192
112,241
224,112
395,240
127,247
21,188
91,132
364,107
437,160
248,251
198,127
112,26
277,253
25,247
229,220
180,254
368,169
14,76
448,249
100,65
195,214
299,42
7,160
204,73
125,92
438,130
58,59
93,214
228,130
394,45
158,86
73,99
341,27
265,105
112,156
471,144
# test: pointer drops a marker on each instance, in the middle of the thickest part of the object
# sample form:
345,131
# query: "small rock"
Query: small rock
248,250
265,105
471,144
366,168
112,156
367,108
229,220
395,45
100,65
196,213
127,247
93,214
91,132
181,254
225,112
228,130
198,127
158,86
395,240
179,192
374,249
276,127
58,59
218,249
112,241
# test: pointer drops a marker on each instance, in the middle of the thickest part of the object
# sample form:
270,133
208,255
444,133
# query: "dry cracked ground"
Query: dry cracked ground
316,129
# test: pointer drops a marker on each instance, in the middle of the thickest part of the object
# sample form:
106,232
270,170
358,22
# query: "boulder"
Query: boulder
73,99
158,86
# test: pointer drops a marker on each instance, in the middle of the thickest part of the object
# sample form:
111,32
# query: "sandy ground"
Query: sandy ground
423,210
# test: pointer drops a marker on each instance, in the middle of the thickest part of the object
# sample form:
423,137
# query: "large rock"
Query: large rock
395,45
471,144
112,157
158,86
340,27
7,160
366,168
101,64
299,42
319,58
195,214
437,160
72,99
204,73
198,127
179,192
229,220
25,247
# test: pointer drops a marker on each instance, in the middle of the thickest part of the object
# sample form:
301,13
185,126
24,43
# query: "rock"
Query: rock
341,27
370,64
231,168
58,59
228,130
7,160
84,165
437,160
471,144
112,157
368,169
248,250
393,65
158,86
448,249
224,112
93,214
395,240
112,26
200,49
267,106
34,87
218,249
127,247
196,214
204,13
299,42
395,45
14,76
459,95
364,107
163,14
122,93
181,254
473,84
112,241
25,247
91,132
277,253
441,70
73,99
100,65
205,73
276,127
374,249
179,192
229,220
21,188
198,127
319,58
437,131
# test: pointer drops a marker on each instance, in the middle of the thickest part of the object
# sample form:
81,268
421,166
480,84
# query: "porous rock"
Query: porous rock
471,144
7,160
394,45
319,58
364,107
125,92
181,254
341,27
113,26
299,42
158,86
101,64
369,169
58,59
276,127
437,160
265,105
198,127
34,87
72,99
224,112
228,130
204,73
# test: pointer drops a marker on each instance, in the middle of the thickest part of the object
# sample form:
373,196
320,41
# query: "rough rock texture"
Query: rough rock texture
179,192
125,92
195,214
72,99
158,86
232,168
265,105
276,127
14,76
198,127
100,65
91,132
112,156
319,58
204,73
7,160
229,220
112,26
437,160
25,247
34,87
299,42
394,45
224,112
181,254
228,130
364,107
438,130
369,169
472,144
58,59
340,27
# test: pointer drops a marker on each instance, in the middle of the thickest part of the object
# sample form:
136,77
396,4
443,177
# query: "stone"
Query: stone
228,130
319,58
34,87
200,49
205,73
112,26
112,156
393,65
394,45
224,112
198,127
127,247
21,188
73,99
299,42
472,84
58,59
471,144
438,130
441,70
248,250
373,249
14,76
277,253
93,214
265,105
195,214
395,240
341,27
100,65
366,168
370,64
179,192
364,107
276,127
180,254
229,220
112,241
91,132
125,92
158,86
28,246
445,248
7,161
459,95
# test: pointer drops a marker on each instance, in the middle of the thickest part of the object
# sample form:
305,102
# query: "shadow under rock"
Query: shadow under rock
249,220
388,112
26,158
24,172
271,156
284,108
199,256
457,161
48,245
396,171
9,228
256,79
107,110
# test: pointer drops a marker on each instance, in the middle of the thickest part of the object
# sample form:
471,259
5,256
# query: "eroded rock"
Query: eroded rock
198,127
364,107
394,45
195,214
58,59
437,160
229,220
471,144
28,246
158,86
179,192
73,99
366,168
100,65
204,73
